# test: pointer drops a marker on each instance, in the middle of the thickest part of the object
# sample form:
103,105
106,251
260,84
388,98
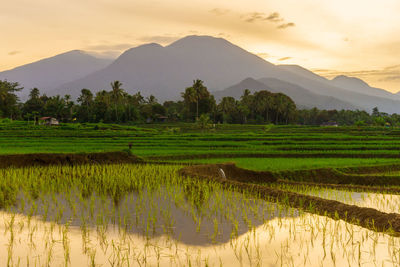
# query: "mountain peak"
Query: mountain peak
141,49
72,53
192,40
349,81
144,47
250,80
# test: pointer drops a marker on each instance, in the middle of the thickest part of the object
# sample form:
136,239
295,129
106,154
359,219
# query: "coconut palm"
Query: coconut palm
116,94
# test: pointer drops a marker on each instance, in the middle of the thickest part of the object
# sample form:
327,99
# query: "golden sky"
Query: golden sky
357,37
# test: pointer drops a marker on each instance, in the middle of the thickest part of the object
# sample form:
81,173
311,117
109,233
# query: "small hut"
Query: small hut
49,121
330,124
161,118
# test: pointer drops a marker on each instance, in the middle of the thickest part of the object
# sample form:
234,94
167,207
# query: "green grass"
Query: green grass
163,141
279,164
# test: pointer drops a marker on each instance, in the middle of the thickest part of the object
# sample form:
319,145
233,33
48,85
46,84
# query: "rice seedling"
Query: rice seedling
125,214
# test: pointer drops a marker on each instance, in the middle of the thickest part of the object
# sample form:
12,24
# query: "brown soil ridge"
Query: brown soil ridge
25,160
365,217
347,187
276,155
339,176
231,171
333,176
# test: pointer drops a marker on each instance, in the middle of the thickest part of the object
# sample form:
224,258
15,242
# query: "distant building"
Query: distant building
158,118
330,123
49,121
161,118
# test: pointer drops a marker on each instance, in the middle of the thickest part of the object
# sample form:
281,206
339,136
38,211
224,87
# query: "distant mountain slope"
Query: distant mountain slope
52,72
352,84
302,97
166,71
300,71
364,101
358,85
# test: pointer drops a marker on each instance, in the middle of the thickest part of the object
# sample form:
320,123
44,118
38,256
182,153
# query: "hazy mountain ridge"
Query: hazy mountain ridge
49,73
357,85
166,71
302,97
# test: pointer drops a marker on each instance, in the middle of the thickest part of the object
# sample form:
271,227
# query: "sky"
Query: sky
353,37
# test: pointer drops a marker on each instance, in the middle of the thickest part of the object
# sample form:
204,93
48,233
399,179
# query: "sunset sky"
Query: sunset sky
358,37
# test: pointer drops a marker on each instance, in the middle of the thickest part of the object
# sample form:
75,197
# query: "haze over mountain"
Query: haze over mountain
358,85
166,71
302,97
300,71
52,72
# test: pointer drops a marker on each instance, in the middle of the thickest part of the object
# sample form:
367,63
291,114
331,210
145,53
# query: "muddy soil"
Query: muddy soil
24,160
277,155
348,187
231,172
366,217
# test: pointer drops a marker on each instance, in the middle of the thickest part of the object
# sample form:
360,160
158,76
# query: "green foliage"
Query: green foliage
197,100
379,121
117,106
204,122
8,99
360,123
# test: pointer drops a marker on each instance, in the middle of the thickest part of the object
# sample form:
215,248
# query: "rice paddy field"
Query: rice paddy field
291,196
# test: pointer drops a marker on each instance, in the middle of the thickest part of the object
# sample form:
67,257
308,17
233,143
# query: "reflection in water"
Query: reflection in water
383,202
306,240
147,215
216,220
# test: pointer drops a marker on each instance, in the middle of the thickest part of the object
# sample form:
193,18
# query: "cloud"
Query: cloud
386,74
274,17
13,53
224,35
391,78
387,77
263,55
105,54
108,47
286,25
219,11
163,39
284,58
395,67
258,16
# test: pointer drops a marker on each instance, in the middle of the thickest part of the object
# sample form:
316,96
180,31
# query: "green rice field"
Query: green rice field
296,196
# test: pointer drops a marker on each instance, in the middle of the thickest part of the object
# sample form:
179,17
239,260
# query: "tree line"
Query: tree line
118,106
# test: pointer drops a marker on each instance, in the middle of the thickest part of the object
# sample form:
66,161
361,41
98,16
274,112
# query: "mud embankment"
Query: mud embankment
339,176
347,187
366,217
25,160
277,155
229,171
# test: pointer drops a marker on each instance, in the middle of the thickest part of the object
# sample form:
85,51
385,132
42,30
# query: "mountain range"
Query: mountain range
226,69
47,74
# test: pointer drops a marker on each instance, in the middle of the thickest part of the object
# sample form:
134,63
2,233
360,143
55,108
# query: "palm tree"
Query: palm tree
198,89
227,106
69,105
116,94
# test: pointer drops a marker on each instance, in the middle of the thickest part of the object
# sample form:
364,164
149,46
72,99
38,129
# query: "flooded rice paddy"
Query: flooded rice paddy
148,215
